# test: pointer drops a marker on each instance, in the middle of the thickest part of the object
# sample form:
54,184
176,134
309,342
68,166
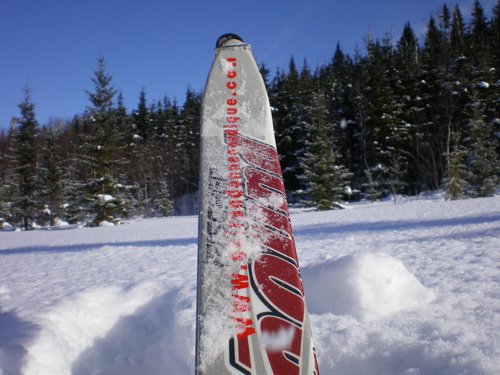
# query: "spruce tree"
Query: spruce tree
455,182
407,89
186,157
50,177
325,179
435,128
337,81
9,186
142,118
163,200
289,99
27,129
495,37
484,167
101,147
458,35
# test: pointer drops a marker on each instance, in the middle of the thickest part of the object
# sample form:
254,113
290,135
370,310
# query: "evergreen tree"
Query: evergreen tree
101,146
163,201
457,36
50,177
412,120
479,33
495,37
435,129
142,118
289,100
484,167
9,187
385,166
187,147
27,129
337,82
455,182
325,179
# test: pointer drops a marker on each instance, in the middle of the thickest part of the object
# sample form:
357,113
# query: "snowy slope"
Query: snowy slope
405,289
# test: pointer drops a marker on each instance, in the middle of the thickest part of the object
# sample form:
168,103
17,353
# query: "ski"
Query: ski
251,312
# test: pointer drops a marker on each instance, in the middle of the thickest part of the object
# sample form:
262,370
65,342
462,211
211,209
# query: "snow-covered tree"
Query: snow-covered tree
289,99
455,183
326,180
163,200
25,146
50,177
483,161
101,150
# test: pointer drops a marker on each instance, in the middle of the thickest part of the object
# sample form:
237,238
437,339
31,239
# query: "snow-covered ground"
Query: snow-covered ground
411,288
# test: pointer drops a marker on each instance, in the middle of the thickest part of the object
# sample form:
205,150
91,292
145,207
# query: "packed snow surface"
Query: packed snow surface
411,288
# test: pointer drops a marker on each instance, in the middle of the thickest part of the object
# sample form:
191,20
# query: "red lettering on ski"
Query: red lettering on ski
274,274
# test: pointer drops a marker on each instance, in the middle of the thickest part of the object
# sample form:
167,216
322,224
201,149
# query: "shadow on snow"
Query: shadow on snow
15,335
150,341
396,225
99,245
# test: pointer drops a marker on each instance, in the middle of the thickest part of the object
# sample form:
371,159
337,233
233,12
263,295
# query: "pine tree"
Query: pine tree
484,167
163,201
388,132
435,128
27,129
101,146
407,89
9,187
455,182
479,33
289,100
324,177
186,157
337,81
495,37
142,118
457,36
50,176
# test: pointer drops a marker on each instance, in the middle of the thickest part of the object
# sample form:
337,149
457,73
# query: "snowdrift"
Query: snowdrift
365,286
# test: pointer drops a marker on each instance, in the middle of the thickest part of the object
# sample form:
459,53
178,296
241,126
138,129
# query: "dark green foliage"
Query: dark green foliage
484,166
24,207
455,182
50,178
326,181
101,145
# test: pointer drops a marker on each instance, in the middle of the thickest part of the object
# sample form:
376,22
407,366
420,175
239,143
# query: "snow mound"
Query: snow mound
106,223
60,223
365,286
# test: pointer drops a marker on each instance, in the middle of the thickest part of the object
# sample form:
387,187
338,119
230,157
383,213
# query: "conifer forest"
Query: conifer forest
403,116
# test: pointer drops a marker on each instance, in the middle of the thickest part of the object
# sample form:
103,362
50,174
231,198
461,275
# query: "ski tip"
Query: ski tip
223,39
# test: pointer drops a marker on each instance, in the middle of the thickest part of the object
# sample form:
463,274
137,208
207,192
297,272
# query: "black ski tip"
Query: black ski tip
224,38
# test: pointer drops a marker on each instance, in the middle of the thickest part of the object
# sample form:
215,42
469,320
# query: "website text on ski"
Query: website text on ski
251,312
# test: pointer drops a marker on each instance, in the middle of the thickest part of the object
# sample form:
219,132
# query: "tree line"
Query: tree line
402,117
103,165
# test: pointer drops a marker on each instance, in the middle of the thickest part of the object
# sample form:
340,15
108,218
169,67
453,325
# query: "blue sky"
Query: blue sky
166,47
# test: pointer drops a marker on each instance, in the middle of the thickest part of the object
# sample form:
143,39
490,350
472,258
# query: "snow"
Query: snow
106,223
367,286
394,289
5,225
60,223
105,198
